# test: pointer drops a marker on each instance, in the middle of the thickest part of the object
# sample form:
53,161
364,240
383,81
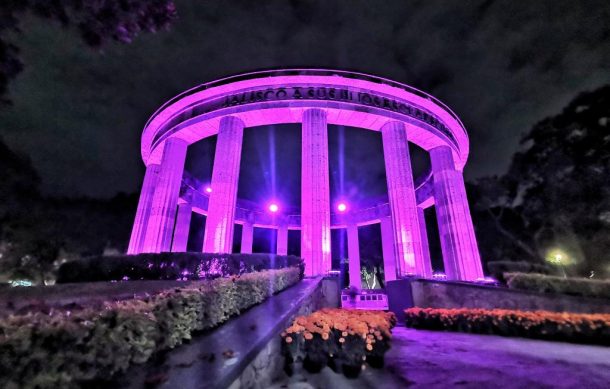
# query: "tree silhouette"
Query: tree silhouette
97,22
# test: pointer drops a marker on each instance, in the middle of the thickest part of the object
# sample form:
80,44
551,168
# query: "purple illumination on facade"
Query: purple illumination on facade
401,192
181,231
458,242
138,233
353,253
165,197
314,98
315,193
282,239
218,236
247,237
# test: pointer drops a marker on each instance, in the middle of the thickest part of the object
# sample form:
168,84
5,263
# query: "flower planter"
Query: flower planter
342,339
569,327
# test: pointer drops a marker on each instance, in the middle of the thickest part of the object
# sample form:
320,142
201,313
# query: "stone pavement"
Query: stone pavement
431,359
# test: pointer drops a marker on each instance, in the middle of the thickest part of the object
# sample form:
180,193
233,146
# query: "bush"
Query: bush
66,349
340,338
553,284
498,268
171,266
569,327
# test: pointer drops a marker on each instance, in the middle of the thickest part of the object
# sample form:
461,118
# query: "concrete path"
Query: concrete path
430,359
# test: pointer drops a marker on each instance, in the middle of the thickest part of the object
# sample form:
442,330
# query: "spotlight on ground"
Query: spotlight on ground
273,207
342,207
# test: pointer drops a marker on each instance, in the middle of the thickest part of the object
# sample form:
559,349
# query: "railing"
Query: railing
305,72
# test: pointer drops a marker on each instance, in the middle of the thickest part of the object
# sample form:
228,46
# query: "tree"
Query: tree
97,21
556,193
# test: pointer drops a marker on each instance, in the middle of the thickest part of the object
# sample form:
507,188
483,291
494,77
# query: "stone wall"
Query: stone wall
439,294
268,365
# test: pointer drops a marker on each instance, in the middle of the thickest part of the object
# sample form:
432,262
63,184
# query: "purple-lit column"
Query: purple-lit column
458,242
183,224
315,194
401,192
218,237
247,237
163,207
387,248
138,232
353,254
425,247
282,240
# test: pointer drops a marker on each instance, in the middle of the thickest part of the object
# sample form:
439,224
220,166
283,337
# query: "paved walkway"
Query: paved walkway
431,359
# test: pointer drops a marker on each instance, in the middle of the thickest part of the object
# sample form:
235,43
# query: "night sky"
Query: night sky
500,65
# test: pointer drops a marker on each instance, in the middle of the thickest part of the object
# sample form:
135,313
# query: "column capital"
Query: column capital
441,158
231,120
314,113
394,124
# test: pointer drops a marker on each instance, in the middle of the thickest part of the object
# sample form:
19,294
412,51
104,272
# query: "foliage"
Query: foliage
97,21
553,284
563,326
556,194
46,232
497,268
171,266
65,349
341,338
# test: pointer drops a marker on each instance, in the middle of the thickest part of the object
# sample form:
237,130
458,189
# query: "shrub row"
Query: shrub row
66,349
171,266
569,327
498,268
343,339
552,284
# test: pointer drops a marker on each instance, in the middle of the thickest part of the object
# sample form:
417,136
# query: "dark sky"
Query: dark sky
500,65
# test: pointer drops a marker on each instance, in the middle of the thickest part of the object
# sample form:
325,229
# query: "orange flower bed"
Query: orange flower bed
343,339
564,326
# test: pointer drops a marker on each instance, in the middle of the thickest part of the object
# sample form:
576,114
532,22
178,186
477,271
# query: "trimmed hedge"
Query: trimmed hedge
344,339
563,326
171,266
552,284
67,349
498,268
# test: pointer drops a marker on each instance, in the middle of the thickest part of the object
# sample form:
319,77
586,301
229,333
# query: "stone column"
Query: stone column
425,247
387,247
401,192
315,194
163,208
282,240
247,237
353,254
138,231
183,225
458,242
218,237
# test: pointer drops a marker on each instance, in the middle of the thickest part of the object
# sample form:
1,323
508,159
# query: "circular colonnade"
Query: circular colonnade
314,98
